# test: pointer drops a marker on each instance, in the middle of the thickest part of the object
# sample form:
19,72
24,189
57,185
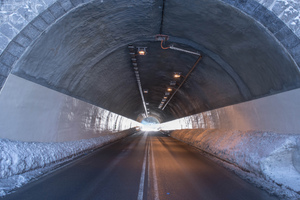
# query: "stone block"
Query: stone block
49,2
18,21
76,2
3,41
56,10
7,58
291,41
39,23
48,17
8,30
276,25
15,49
248,7
289,14
31,31
279,7
259,12
66,4
23,40
283,33
267,3
4,70
27,13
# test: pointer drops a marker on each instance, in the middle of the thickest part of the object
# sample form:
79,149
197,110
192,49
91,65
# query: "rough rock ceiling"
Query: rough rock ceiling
85,55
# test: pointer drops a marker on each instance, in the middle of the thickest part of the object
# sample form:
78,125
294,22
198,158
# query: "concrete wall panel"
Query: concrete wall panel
277,113
30,112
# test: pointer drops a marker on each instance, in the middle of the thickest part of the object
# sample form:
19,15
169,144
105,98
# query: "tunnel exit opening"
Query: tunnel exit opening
150,124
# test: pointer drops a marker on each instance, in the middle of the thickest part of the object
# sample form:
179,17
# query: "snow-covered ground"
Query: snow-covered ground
269,160
21,162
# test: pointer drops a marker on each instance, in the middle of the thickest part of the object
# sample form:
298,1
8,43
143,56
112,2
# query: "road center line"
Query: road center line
156,196
142,180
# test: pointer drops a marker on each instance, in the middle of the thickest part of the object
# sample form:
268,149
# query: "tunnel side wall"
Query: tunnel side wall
260,136
277,113
30,112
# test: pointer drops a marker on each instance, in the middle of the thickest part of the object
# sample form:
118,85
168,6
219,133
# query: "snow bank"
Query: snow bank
20,162
271,156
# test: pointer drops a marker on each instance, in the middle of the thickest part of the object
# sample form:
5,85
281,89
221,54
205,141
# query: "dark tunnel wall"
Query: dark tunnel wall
85,55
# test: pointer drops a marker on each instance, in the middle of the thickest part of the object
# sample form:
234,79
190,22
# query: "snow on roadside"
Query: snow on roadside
21,162
266,156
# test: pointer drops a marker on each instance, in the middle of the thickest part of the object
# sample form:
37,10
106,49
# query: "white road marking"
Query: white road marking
142,180
156,195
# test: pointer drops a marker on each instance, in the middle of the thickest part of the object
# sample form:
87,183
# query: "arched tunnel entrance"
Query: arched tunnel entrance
220,75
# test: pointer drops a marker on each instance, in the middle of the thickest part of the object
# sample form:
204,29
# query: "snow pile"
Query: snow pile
22,161
271,156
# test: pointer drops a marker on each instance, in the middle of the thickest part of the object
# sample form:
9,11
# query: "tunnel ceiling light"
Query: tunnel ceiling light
169,89
146,91
165,97
147,104
163,100
177,74
167,93
142,51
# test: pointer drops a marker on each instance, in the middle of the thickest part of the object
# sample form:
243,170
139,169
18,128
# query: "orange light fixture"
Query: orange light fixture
169,89
142,51
177,74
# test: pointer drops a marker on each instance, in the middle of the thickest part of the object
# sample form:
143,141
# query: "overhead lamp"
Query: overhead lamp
142,51
146,91
177,74
169,89
163,100
165,97
147,104
167,93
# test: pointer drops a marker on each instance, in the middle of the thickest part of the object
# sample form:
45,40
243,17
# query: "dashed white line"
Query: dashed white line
156,195
142,180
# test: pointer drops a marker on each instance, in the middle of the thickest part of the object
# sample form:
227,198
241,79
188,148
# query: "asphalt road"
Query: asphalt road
146,165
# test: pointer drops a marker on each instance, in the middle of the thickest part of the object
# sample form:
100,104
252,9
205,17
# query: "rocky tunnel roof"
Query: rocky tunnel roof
85,55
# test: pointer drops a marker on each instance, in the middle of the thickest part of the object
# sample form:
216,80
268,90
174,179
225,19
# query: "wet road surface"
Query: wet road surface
146,165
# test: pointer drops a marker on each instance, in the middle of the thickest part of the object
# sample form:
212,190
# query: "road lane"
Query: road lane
143,166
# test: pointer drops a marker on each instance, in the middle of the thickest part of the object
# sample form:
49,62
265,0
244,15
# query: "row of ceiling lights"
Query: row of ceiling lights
143,51
133,53
169,90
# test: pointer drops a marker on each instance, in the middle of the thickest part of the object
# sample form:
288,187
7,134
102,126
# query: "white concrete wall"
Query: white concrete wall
277,113
30,112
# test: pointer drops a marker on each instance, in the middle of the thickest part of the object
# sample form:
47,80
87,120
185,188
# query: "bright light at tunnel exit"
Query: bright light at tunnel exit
150,124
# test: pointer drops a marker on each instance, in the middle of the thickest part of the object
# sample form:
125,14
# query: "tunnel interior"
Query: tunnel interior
85,55
72,80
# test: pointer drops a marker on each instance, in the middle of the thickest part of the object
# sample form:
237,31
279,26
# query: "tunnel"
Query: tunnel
221,76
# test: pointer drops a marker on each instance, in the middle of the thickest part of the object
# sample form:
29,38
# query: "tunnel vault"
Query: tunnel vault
84,54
